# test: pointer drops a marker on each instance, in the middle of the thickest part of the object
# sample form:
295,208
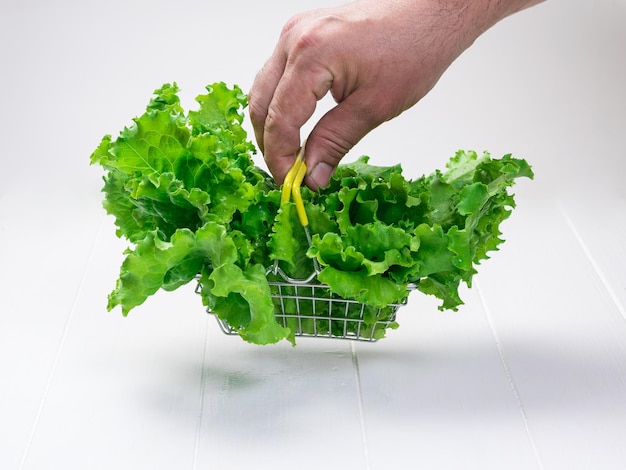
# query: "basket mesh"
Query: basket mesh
312,310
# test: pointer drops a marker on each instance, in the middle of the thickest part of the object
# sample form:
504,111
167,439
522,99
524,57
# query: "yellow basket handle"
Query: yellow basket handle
292,185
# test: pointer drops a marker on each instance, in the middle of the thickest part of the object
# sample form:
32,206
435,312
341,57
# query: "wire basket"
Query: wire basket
311,309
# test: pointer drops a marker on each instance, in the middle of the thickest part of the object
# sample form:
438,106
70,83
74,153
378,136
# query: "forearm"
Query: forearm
467,19
486,13
508,7
438,31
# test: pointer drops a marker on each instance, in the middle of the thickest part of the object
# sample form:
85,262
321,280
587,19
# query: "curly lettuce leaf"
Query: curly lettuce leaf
179,171
430,232
184,190
288,243
156,263
376,290
242,298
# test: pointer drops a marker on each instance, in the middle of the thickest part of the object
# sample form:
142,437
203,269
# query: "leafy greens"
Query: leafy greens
185,192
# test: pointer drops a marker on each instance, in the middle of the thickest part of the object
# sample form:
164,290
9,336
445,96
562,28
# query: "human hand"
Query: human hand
376,57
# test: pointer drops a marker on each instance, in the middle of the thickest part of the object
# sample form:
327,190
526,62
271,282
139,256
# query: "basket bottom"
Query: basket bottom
312,310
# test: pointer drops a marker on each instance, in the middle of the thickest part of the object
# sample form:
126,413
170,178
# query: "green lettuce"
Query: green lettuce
184,191
431,232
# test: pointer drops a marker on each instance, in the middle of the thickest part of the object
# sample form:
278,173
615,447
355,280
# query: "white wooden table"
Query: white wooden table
530,373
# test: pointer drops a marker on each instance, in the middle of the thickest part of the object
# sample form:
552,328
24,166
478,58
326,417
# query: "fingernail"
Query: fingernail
320,174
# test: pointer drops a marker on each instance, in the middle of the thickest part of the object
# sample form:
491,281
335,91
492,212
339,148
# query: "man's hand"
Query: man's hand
376,57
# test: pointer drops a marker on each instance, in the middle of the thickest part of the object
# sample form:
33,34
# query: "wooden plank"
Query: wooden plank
599,225
436,394
279,406
43,263
164,388
126,391
563,339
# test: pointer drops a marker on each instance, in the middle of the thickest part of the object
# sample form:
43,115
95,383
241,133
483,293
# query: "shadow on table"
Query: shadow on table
282,390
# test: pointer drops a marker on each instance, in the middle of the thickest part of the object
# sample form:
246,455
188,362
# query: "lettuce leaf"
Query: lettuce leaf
430,232
183,189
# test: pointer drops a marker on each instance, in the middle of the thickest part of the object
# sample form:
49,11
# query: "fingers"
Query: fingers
335,134
284,96
262,92
279,105
293,104
293,100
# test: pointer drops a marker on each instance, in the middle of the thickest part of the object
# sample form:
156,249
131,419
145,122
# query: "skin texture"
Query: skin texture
376,57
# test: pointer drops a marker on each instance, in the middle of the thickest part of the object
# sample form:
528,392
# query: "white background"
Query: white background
530,373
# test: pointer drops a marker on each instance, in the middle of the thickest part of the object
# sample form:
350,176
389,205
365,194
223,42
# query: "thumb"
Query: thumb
334,135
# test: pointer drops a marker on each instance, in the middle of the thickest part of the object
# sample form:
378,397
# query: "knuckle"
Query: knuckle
273,117
334,145
292,23
386,106
256,111
309,32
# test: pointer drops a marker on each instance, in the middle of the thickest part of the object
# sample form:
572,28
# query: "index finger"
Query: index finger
262,92
293,103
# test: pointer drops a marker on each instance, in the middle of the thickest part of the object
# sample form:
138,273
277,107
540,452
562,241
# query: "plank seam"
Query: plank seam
359,393
196,447
60,346
596,267
509,375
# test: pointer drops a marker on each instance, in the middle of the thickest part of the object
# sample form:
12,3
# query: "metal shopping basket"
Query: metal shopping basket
311,309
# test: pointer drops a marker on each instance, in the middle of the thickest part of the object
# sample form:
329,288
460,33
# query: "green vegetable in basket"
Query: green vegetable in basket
185,192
